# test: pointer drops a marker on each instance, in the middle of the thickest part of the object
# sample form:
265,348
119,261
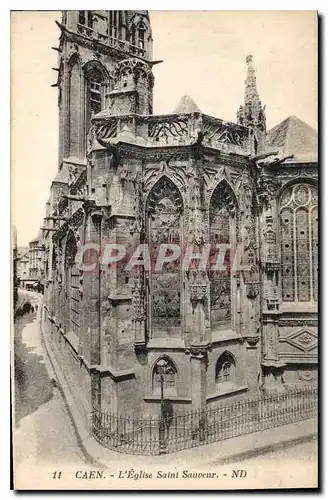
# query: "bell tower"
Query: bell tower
100,52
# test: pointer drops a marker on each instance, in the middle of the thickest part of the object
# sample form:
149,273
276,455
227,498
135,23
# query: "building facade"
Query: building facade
30,265
23,267
136,180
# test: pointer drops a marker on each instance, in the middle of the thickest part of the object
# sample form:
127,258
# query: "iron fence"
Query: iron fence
154,435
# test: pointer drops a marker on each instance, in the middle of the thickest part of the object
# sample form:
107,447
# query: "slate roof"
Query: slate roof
186,105
294,136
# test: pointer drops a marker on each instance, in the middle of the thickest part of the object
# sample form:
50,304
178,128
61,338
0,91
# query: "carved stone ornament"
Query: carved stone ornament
199,351
272,302
266,190
252,340
306,375
138,294
198,293
252,289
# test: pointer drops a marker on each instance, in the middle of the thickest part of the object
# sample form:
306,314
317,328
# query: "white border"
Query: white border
321,6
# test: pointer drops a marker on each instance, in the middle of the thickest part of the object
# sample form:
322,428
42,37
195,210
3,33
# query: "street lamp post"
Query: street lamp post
161,370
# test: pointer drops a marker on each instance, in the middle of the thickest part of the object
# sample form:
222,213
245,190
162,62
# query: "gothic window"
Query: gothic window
164,213
138,36
94,93
115,23
222,232
74,106
94,90
225,370
168,372
85,18
299,243
72,285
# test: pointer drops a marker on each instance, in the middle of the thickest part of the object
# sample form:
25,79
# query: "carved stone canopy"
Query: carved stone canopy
199,351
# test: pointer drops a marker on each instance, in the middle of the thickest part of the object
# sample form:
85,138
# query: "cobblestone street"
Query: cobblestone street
44,432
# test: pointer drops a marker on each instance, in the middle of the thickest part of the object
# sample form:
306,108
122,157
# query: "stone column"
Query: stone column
198,366
270,265
91,308
198,362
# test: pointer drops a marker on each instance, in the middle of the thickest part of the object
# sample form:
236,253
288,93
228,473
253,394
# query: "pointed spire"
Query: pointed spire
251,94
251,113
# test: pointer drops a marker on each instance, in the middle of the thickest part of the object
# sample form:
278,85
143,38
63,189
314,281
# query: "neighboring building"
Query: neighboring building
130,177
32,265
14,267
23,262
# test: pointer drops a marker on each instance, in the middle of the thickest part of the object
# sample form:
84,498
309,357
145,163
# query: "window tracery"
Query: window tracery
299,243
138,35
222,220
94,92
164,211
96,85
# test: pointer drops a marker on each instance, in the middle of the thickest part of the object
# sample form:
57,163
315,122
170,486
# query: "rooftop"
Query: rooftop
186,105
294,136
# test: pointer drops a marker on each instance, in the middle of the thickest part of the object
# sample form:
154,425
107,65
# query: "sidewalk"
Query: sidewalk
225,451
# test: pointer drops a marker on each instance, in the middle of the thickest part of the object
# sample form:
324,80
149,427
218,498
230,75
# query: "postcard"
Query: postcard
165,250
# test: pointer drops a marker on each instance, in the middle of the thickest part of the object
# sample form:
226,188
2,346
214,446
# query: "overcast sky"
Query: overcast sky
204,56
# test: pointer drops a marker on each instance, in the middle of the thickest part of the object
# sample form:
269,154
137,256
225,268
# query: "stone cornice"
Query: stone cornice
129,150
95,44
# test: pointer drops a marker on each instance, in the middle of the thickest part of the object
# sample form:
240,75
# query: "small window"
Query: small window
225,369
165,374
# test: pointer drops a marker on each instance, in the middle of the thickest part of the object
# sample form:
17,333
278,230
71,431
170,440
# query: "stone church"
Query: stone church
129,177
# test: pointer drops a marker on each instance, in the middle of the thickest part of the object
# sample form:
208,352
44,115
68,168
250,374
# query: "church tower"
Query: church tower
104,59
252,113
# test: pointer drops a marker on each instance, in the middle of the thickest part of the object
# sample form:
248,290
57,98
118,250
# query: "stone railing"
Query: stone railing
118,44
173,130
85,30
224,135
137,51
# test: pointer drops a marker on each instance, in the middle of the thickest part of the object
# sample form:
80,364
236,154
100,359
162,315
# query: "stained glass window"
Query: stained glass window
164,209
299,243
222,219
